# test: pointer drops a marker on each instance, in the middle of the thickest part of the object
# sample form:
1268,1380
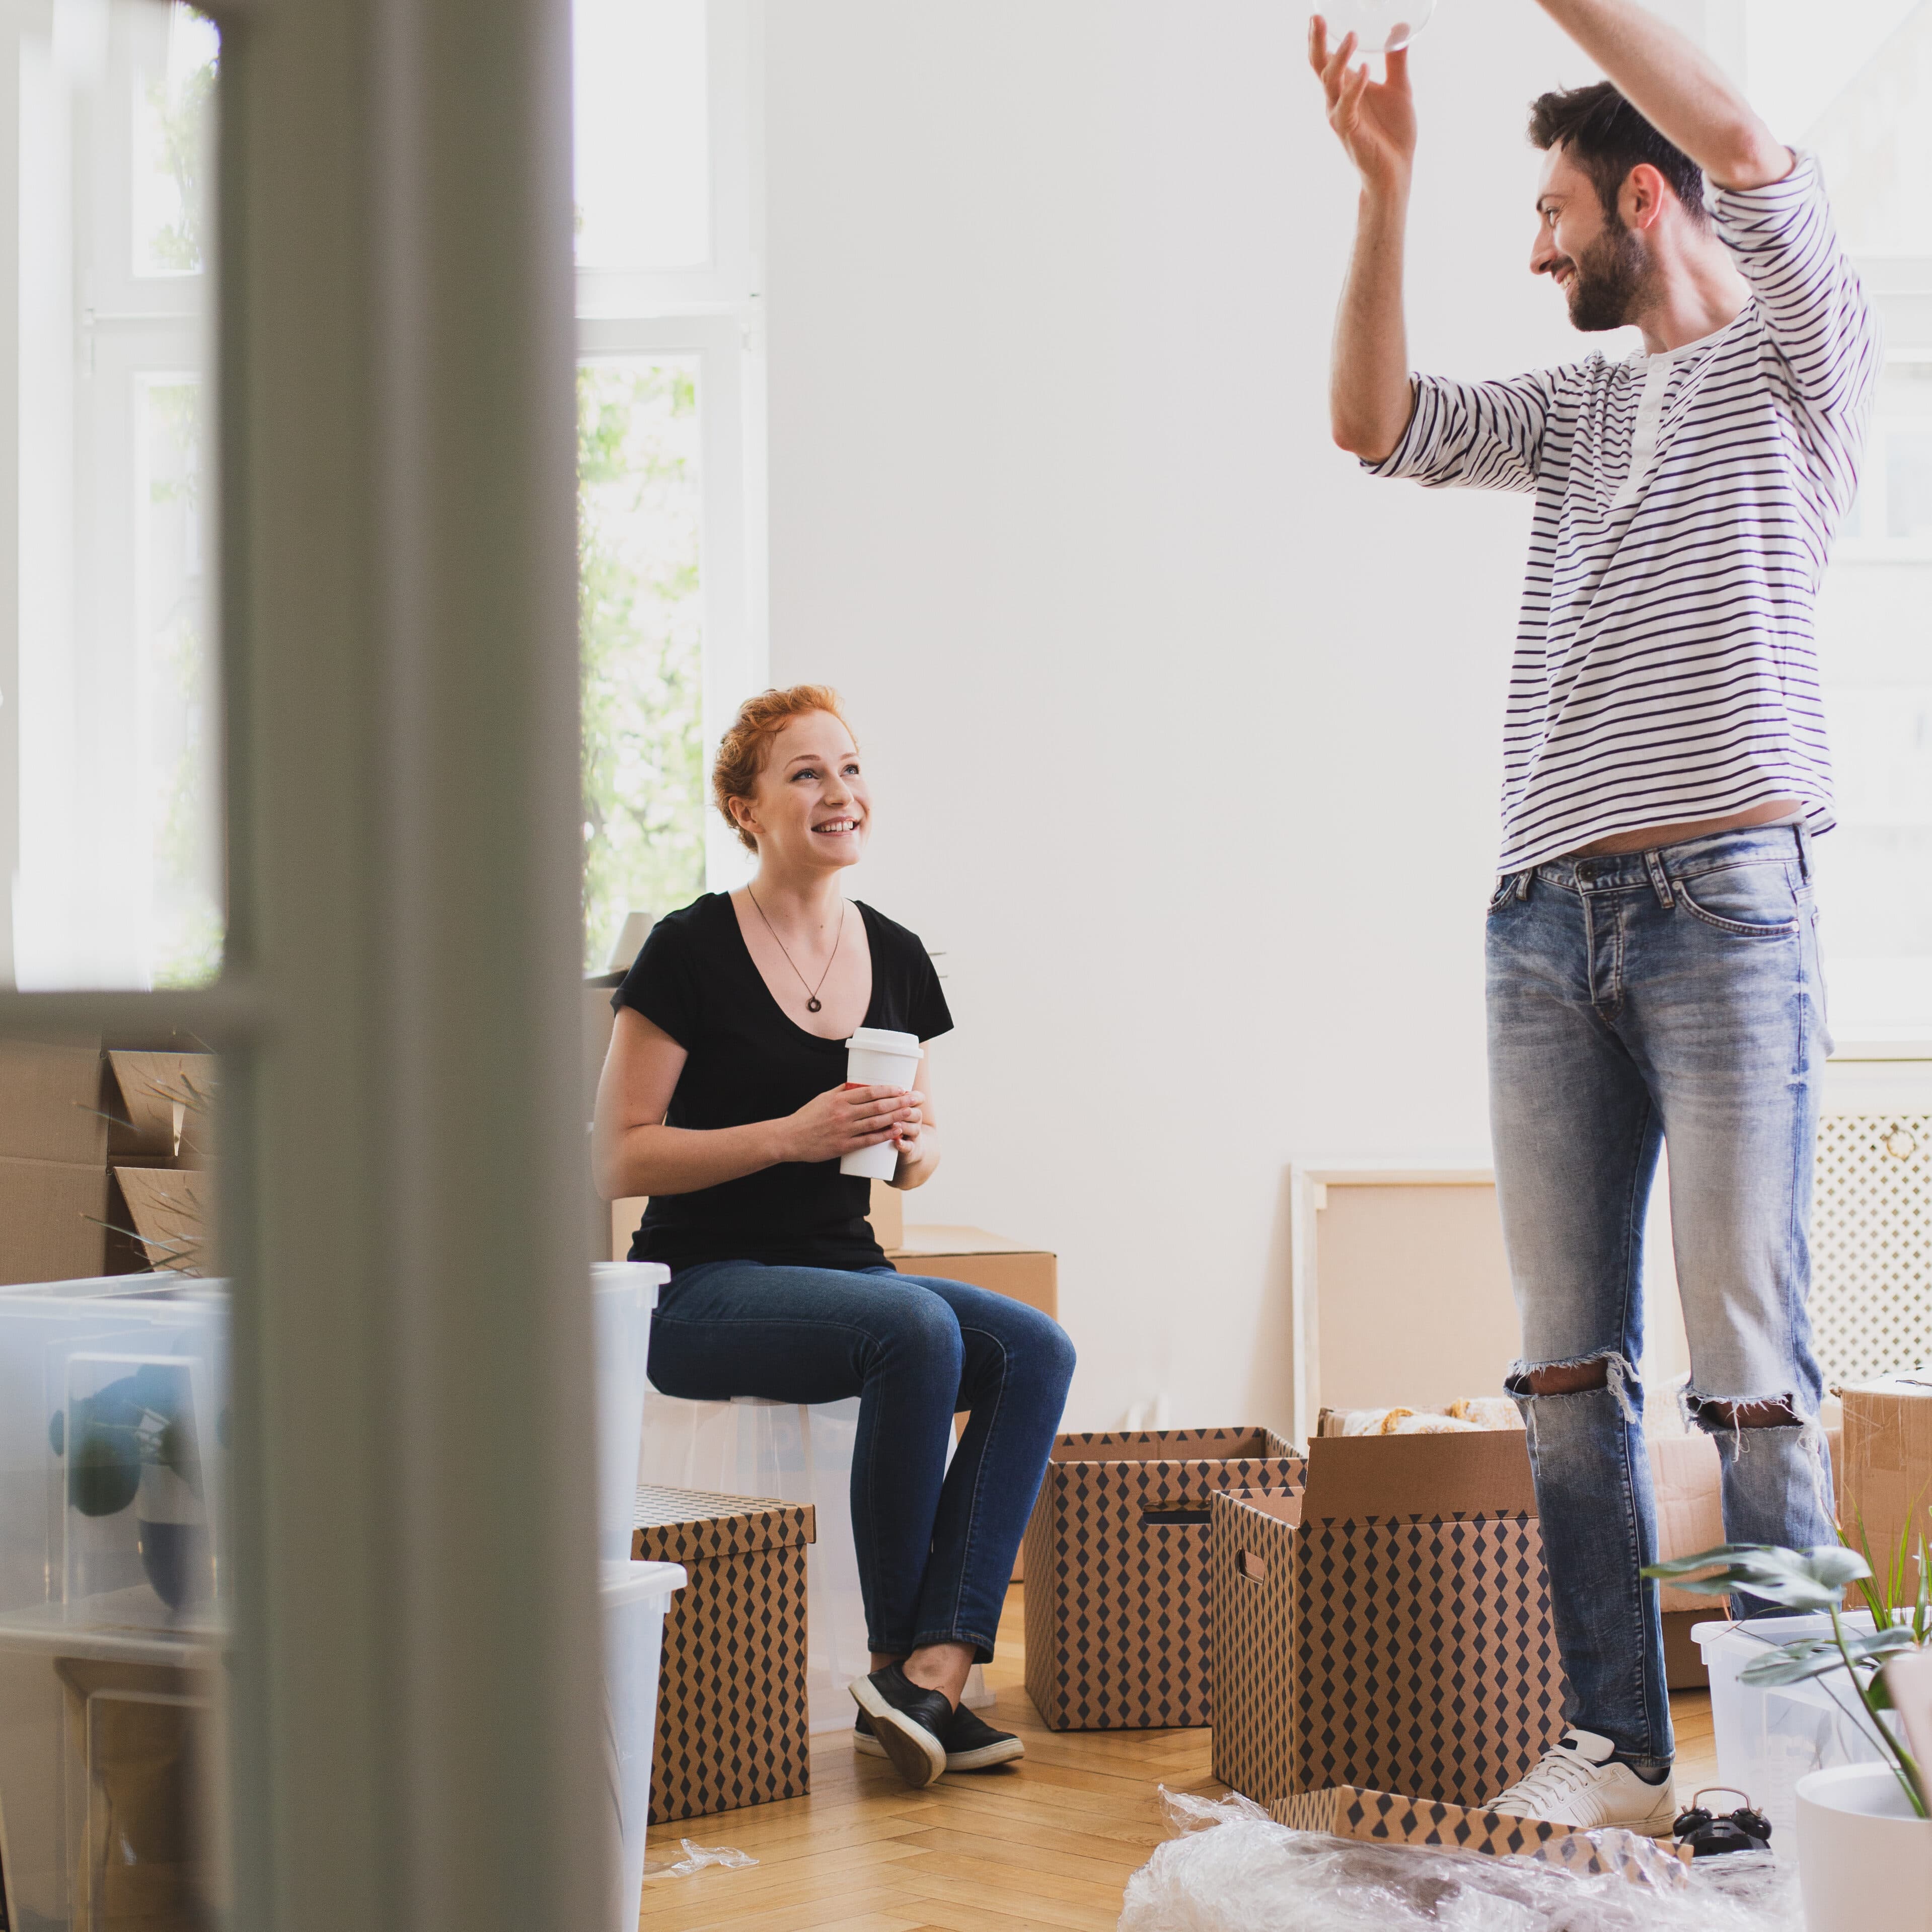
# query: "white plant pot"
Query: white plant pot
1864,1861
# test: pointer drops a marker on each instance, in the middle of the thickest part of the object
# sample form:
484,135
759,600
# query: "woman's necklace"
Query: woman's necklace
812,1000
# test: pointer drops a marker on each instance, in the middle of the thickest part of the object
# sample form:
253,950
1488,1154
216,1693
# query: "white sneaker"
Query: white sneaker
1580,1784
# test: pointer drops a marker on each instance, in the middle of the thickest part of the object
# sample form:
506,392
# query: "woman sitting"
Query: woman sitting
723,1099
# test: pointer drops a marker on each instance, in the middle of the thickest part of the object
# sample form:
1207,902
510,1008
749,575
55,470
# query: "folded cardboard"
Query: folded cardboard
53,1220
1885,1465
1388,1628
159,1107
1386,1818
732,1719
170,1212
1120,1605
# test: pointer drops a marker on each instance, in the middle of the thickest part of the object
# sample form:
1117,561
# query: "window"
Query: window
669,440
1860,98
108,736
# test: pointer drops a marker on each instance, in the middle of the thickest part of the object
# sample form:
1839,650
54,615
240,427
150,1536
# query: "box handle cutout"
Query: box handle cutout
1192,1512
1254,1566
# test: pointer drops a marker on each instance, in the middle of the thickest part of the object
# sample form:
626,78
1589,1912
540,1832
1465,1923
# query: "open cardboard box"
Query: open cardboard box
1118,1611
1387,1628
1886,1466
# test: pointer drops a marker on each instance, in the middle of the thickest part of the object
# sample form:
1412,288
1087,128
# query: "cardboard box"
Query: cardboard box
732,1722
53,1220
887,1215
1386,1818
1121,1605
991,1261
1389,1627
1886,1465
50,1102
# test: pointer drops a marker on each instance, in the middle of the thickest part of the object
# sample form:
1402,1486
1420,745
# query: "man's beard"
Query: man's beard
1612,277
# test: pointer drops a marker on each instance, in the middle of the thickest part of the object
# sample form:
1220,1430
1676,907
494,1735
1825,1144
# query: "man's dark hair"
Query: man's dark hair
1606,137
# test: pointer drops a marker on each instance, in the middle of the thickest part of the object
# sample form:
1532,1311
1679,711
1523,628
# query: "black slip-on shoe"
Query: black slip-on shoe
907,1720
971,1744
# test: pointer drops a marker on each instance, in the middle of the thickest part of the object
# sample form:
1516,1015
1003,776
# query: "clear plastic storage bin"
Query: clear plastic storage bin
1769,1736
635,1597
113,1449
113,1574
623,1294
750,1447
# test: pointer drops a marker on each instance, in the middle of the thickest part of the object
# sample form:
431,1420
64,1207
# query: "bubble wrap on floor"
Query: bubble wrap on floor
1233,1869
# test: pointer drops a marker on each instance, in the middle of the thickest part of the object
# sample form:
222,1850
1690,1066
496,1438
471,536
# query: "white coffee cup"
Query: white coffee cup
878,1057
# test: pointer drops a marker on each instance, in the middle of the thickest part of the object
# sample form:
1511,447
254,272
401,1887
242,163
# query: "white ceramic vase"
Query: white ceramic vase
1863,1859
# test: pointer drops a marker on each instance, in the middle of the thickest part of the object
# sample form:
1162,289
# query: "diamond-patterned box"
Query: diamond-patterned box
1388,1628
1117,1591
732,1728
1385,1818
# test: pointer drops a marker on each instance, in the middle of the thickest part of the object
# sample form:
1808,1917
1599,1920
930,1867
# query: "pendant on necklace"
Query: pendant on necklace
811,1005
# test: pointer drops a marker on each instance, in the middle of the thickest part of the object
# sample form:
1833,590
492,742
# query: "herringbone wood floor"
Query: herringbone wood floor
1047,1843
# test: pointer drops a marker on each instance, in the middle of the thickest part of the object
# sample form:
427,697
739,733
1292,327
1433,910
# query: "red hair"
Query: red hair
743,750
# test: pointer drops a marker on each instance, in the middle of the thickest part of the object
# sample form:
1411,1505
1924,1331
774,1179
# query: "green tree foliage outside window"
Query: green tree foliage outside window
641,624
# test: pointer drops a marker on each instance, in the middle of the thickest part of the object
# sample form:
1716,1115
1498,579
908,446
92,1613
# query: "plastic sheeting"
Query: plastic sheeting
696,1857
1232,1869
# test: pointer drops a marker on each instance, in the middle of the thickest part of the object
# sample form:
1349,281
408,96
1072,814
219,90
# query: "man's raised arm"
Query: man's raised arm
1370,396
1678,88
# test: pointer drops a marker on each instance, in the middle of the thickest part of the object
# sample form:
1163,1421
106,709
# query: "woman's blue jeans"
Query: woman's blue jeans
936,1545
1672,995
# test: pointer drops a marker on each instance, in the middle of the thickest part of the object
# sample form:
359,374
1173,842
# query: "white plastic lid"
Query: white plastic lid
884,1039
630,1582
651,1275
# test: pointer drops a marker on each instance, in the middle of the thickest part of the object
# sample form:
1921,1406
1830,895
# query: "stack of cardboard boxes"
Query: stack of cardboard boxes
103,1155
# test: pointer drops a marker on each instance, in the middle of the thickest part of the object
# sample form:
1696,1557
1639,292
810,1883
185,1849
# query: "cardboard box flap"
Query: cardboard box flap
1283,1505
157,1103
171,1211
689,1525
1386,1817
1484,1474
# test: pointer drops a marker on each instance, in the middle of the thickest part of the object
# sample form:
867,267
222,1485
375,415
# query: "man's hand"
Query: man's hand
1374,121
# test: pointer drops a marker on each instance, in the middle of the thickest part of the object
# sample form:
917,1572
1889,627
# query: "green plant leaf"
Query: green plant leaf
1798,1579
1812,1656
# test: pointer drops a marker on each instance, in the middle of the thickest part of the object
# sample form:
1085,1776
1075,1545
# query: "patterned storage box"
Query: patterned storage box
1117,1606
1388,1629
1384,1818
731,1695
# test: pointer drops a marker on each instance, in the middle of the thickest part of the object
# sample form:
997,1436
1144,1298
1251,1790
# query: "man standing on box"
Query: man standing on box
1653,966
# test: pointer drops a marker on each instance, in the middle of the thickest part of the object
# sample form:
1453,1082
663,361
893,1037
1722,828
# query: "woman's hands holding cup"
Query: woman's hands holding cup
847,1118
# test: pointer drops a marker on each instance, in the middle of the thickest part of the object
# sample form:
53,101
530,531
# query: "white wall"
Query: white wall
1185,735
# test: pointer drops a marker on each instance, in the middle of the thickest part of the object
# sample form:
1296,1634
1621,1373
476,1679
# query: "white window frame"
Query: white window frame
714,314
86,334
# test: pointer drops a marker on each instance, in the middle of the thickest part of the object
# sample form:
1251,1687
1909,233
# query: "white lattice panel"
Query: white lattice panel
1871,1244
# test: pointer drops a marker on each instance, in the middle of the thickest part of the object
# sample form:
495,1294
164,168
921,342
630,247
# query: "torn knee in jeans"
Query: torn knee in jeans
1731,1420
1581,1375
1726,1415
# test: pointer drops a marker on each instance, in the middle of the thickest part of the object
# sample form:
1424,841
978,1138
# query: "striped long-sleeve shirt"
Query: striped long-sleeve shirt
1666,666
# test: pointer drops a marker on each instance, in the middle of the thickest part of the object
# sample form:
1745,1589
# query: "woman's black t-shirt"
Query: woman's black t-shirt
749,1060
